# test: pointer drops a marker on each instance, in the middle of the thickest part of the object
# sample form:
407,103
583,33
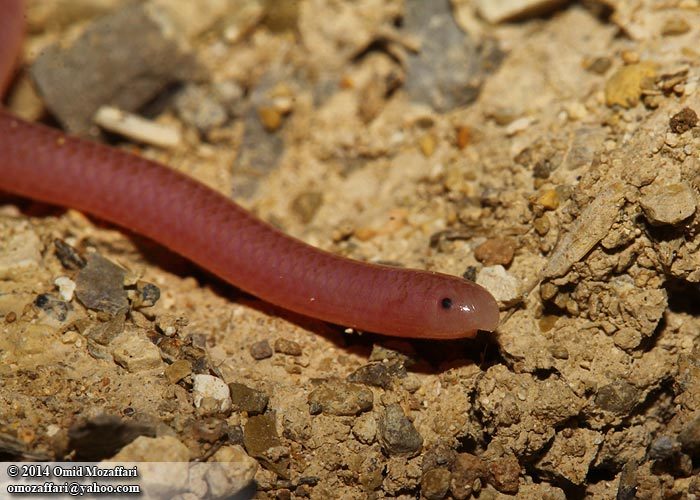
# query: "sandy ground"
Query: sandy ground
560,171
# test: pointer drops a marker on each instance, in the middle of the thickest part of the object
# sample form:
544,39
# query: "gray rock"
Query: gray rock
447,72
261,350
197,107
397,434
618,397
123,59
100,285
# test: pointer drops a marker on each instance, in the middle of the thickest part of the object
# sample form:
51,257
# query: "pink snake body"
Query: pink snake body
185,216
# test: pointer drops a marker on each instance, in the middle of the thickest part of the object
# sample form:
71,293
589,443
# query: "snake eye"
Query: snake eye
446,303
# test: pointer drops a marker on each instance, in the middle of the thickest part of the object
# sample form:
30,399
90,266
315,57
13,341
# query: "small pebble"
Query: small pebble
306,205
464,136
178,370
618,397
435,483
248,400
689,437
334,397
504,474
146,295
69,257
270,117
624,88
208,386
134,352
261,350
467,470
197,107
549,199
66,287
427,144
365,428
259,437
375,374
675,26
495,251
627,338
397,435
100,285
504,286
683,121
289,347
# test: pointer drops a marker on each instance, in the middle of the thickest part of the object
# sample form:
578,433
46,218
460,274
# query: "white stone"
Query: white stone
208,386
66,287
502,285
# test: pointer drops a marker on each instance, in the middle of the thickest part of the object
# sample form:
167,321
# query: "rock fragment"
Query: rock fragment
435,483
445,73
468,472
248,400
397,435
123,59
261,441
261,350
334,397
504,474
178,370
625,86
135,352
100,285
208,386
495,251
668,204
683,121
502,285
689,437
289,347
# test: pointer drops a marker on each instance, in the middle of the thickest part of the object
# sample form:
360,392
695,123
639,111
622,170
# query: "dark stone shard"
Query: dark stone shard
619,397
69,256
104,333
259,435
100,285
375,374
248,400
